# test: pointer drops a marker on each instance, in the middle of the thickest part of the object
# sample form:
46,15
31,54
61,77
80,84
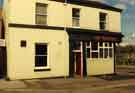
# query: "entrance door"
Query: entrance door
77,63
78,58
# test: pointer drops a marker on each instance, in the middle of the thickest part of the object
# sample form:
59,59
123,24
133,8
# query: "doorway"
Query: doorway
77,64
78,59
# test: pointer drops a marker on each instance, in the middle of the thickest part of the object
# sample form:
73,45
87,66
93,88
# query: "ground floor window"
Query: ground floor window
41,54
99,49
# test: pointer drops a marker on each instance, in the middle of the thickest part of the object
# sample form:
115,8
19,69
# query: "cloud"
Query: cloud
132,2
127,2
124,3
102,1
130,18
121,6
119,3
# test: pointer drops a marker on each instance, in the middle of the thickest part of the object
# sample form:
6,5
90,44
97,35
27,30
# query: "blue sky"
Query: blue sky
1,2
128,16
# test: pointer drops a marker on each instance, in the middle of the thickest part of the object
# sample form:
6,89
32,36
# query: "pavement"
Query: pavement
62,85
122,82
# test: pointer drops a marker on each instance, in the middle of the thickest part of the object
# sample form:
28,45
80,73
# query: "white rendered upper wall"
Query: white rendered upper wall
60,14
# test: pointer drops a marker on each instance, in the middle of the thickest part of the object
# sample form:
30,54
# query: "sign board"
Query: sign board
106,38
2,43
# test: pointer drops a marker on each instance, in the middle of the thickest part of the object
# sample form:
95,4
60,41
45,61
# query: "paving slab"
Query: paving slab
12,84
121,83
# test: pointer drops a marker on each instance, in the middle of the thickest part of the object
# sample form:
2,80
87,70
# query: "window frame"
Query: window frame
76,18
106,47
41,14
104,22
103,47
47,56
88,46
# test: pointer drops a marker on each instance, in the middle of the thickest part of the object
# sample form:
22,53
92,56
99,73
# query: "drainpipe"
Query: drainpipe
81,59
65,4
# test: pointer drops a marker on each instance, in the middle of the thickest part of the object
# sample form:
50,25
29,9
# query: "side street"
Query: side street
123,81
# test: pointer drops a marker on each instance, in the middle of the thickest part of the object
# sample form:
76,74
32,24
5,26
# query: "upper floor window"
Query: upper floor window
103,18
41,13
75,17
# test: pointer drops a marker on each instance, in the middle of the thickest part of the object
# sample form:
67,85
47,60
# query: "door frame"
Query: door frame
81,55
83,59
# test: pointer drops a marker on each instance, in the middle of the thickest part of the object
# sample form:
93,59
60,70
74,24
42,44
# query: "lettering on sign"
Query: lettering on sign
105,38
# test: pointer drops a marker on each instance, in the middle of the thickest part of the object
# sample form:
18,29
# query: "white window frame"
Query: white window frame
41,14
76,18
106,47
103,47
48,63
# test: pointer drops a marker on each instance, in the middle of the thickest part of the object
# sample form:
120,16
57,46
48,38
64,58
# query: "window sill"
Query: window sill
40,24
40,70
76,27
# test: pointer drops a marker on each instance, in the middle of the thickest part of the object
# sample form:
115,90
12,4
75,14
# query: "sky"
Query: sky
1,2
128,17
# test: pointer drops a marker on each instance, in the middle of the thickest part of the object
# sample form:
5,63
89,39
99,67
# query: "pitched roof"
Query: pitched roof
90,3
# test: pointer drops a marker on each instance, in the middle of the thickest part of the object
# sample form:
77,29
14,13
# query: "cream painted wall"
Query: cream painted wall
114,22
21,60
100,66
60,14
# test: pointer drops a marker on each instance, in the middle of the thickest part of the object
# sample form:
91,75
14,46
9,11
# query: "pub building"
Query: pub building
60,38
